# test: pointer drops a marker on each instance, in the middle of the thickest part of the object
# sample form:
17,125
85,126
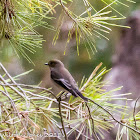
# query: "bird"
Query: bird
62,78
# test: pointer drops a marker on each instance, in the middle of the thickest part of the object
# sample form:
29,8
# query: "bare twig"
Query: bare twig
64,104
12,87
135,111
31,86
15,109
6,94
40,88
114,118
94,133
66,11
13,81
61,117
87,137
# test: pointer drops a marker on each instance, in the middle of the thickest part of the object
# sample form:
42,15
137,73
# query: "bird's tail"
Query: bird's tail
77,93
82,96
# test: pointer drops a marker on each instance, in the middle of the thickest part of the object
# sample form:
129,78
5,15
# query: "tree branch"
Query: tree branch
114,118
61,117
94,133
65,10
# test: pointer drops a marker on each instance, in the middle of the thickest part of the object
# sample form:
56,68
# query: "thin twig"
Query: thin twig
30,86
86,84
64,104
12,87
91,76
114,118
15,109
87,137
135,111
61,117
13,81
94,133
6,94
12,103
66,11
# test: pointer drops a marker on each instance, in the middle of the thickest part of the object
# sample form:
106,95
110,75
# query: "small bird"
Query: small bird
61,76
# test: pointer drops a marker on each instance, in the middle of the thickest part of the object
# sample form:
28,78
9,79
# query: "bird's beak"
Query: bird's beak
46,64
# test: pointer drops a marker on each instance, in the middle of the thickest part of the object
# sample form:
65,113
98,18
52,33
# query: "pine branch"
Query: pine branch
135,111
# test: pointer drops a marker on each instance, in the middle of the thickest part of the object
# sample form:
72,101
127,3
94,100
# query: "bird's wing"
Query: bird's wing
58,78
65,83
75,84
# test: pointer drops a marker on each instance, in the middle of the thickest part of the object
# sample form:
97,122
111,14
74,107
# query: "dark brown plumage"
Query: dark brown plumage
61,76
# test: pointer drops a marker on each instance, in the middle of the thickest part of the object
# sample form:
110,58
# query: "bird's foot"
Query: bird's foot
60,96
66,95
59,99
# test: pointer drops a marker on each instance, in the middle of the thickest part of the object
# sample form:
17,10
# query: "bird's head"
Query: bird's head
55,63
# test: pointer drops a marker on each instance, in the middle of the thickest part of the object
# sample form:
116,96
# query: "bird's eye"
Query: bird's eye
52,63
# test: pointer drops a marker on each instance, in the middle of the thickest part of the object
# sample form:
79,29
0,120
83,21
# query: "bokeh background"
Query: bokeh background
80,65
